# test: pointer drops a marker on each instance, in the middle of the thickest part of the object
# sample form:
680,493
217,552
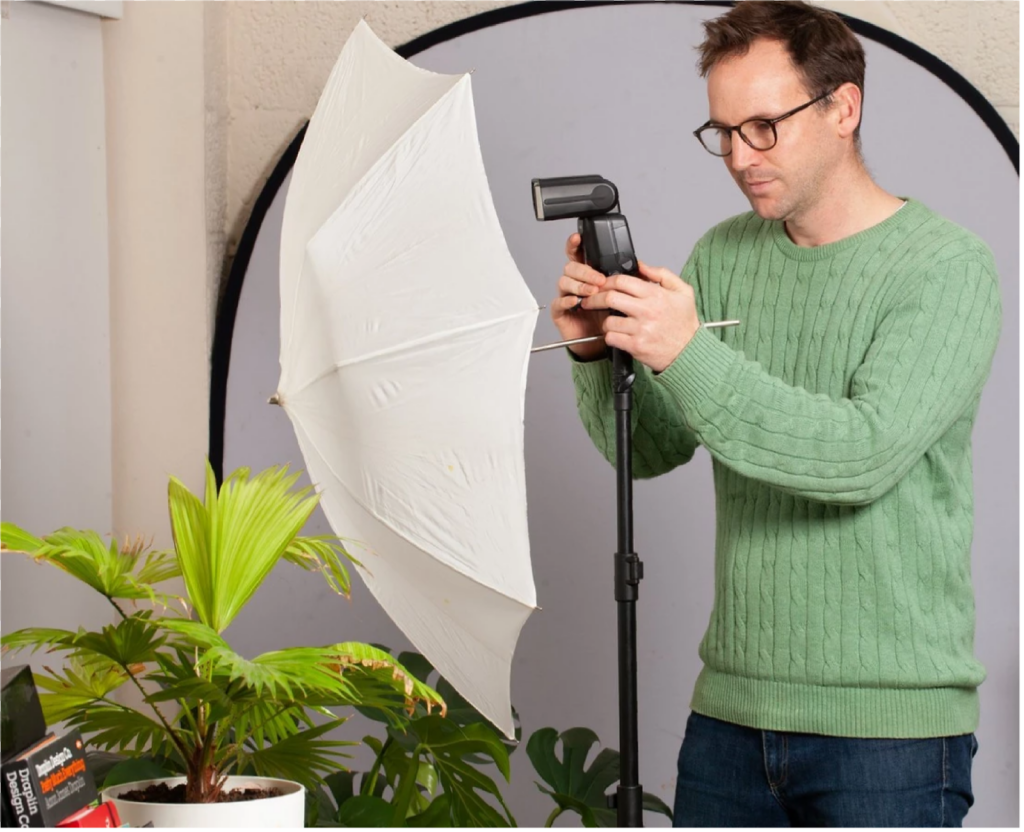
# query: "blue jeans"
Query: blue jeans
735,776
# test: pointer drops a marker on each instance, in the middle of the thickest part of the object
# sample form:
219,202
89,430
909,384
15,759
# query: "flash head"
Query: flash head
573,196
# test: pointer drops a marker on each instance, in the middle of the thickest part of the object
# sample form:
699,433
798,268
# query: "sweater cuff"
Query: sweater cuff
696,371
592,378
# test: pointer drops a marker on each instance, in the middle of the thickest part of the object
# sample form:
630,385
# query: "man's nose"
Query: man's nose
743,155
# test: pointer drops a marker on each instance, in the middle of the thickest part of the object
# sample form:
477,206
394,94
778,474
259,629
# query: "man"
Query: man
839,684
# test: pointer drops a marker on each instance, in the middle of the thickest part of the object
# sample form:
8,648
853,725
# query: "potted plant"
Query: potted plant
219,720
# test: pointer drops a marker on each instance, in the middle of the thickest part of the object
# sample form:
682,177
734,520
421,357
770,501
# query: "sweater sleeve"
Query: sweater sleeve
661,438
926,365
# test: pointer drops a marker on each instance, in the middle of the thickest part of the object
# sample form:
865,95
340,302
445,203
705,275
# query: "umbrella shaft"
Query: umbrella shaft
589,338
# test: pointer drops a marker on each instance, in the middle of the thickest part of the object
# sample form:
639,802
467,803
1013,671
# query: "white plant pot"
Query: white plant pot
288,810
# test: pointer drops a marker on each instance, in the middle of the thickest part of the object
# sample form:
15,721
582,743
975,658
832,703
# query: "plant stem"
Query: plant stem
205,763
375,770
170,731
552,816
405,790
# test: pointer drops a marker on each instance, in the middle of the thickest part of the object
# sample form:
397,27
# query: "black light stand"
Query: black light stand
629,570
608,248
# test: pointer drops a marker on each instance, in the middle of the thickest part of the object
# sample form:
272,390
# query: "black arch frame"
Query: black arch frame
228,307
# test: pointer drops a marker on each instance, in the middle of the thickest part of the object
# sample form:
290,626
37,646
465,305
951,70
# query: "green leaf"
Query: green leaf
301,756
349,673
131,641
121,728
15,539
405,790
228,545
341,785
85,556
574,786
38,638
448,746
132,770
320,809
437,814
652,803
417,664
366,811
364,659
323,553
81,686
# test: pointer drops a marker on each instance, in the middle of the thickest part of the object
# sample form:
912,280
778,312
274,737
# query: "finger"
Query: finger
619,341
571,286
635,286
617,323
617,301
656,274
572,247
564,303
581,271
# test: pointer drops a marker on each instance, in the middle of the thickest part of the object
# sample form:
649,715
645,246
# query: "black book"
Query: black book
48,782
21,716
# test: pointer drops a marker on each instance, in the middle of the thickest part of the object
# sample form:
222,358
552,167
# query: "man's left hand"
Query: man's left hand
661,315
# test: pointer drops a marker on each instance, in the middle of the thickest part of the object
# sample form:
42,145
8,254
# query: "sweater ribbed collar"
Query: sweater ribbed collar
909,213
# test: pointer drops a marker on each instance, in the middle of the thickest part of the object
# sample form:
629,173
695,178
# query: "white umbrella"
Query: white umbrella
405,337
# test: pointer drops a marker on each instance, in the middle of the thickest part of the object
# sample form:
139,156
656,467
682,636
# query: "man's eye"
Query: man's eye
758,129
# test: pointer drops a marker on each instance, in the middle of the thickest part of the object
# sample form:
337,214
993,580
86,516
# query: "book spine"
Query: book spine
21,797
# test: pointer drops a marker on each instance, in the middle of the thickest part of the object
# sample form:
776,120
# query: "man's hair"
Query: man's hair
822,48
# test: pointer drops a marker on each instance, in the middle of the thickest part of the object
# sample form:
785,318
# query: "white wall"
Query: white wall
56,396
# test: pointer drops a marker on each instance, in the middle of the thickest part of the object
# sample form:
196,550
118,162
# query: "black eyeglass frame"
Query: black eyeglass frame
738,128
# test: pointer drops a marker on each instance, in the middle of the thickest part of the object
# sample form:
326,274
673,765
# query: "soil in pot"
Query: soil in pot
162,793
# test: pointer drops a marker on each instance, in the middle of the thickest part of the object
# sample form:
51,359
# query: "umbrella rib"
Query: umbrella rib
419,342
399,534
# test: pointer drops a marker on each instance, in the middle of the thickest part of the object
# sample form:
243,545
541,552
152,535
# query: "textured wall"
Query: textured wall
280,55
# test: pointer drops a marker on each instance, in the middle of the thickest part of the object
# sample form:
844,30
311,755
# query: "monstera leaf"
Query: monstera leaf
575,787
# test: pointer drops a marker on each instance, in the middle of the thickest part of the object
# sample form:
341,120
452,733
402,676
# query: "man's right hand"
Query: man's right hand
578,281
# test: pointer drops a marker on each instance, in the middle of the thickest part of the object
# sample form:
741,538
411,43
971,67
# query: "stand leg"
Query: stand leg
628,573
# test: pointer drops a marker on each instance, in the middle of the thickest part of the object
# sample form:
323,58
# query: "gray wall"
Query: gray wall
612,90
56,414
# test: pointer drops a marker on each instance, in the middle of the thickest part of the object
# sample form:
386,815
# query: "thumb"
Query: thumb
656,274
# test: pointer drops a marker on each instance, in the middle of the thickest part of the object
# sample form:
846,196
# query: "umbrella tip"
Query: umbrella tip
275,399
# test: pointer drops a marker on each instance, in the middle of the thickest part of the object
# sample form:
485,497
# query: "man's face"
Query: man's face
788,179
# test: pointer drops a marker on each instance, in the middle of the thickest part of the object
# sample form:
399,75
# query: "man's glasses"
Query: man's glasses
759,133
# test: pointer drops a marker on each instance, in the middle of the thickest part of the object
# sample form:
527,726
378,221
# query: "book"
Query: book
103,816
21,715
48,782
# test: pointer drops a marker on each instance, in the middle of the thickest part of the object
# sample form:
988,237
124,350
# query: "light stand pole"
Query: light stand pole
629,570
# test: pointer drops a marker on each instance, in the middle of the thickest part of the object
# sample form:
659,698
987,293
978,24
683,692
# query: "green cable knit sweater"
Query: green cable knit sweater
838,417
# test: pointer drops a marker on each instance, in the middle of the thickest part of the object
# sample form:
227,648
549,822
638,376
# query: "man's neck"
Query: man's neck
851,203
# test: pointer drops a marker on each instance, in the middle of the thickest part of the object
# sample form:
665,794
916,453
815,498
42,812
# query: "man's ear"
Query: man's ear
847,108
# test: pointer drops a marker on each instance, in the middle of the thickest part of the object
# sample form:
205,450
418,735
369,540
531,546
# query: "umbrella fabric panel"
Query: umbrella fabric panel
371,98
413,252
468,631
436,455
